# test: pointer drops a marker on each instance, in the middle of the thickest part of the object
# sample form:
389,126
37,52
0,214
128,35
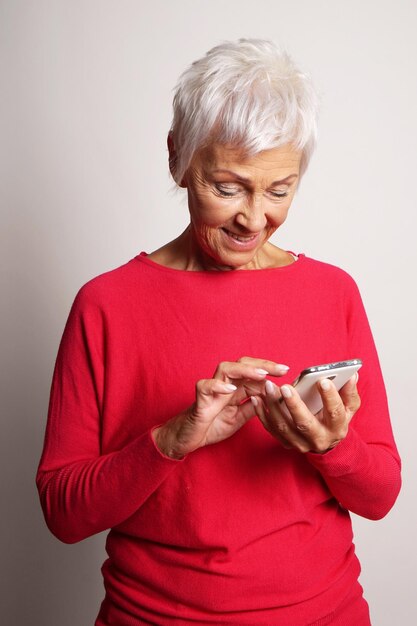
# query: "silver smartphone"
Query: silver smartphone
306,383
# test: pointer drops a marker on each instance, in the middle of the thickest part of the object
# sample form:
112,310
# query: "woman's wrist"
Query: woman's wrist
164,441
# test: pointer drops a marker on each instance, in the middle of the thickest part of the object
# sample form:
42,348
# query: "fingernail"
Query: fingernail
254,401
286,391
261,372
269,388
325,384
283,368
229,387
357,377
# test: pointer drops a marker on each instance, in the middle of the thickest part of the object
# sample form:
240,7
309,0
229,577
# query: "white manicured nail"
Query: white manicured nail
230,387
261,372
325,384
269,388
254,401
286,391
283,368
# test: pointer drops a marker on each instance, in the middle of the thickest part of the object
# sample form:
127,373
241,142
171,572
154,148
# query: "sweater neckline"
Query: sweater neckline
143,257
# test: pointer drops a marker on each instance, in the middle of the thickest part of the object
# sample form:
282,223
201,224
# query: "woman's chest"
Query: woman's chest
156,357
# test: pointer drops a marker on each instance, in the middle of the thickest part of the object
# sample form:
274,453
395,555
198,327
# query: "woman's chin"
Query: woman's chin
234,259
229,251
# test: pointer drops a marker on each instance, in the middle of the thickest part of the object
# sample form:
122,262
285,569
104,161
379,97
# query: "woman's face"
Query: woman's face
236,203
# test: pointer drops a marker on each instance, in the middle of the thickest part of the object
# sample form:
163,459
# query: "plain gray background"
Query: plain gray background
85,108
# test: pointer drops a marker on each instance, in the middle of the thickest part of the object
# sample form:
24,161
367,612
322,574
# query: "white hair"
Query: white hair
248,93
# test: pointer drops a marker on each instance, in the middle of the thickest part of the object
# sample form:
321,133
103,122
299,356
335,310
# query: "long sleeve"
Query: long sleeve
363,477
363,471
83,491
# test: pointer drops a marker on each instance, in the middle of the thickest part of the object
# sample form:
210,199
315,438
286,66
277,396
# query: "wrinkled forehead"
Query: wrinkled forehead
276,162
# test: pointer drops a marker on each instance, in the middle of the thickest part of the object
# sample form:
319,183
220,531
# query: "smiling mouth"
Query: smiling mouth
241,238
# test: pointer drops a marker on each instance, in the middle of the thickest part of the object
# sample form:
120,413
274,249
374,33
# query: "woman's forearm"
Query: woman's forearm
88,496
364,477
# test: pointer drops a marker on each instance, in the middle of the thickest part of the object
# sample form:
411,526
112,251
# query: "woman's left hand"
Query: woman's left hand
302,430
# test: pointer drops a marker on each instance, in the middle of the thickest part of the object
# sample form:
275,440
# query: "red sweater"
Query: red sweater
241,532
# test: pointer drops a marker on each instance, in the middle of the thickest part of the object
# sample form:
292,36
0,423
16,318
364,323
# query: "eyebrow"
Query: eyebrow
247,180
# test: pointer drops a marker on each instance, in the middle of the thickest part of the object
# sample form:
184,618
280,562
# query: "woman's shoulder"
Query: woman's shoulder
117,283
328,279
329,271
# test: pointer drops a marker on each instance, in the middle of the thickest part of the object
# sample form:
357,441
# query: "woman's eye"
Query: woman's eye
226,191
279,194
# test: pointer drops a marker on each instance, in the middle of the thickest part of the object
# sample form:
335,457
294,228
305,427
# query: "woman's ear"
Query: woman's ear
173,158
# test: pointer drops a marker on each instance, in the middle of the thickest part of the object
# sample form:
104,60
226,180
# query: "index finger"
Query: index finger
233,370
273,368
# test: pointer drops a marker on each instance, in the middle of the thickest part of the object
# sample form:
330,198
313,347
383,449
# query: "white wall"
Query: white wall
84,111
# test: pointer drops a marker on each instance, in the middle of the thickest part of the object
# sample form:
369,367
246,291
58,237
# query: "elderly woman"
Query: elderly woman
223,508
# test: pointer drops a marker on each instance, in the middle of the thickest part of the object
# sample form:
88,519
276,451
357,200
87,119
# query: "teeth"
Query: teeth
239,238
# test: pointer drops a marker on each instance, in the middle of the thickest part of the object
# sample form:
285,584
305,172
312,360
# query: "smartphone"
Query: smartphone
306,382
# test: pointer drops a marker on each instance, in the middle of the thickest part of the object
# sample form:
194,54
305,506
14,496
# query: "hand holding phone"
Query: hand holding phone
306,383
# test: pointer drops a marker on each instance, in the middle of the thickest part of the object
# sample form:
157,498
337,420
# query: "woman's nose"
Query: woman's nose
252,215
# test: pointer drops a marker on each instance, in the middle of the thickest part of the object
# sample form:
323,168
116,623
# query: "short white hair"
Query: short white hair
247,93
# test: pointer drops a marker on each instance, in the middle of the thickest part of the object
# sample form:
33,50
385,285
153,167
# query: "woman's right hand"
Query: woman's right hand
220,407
